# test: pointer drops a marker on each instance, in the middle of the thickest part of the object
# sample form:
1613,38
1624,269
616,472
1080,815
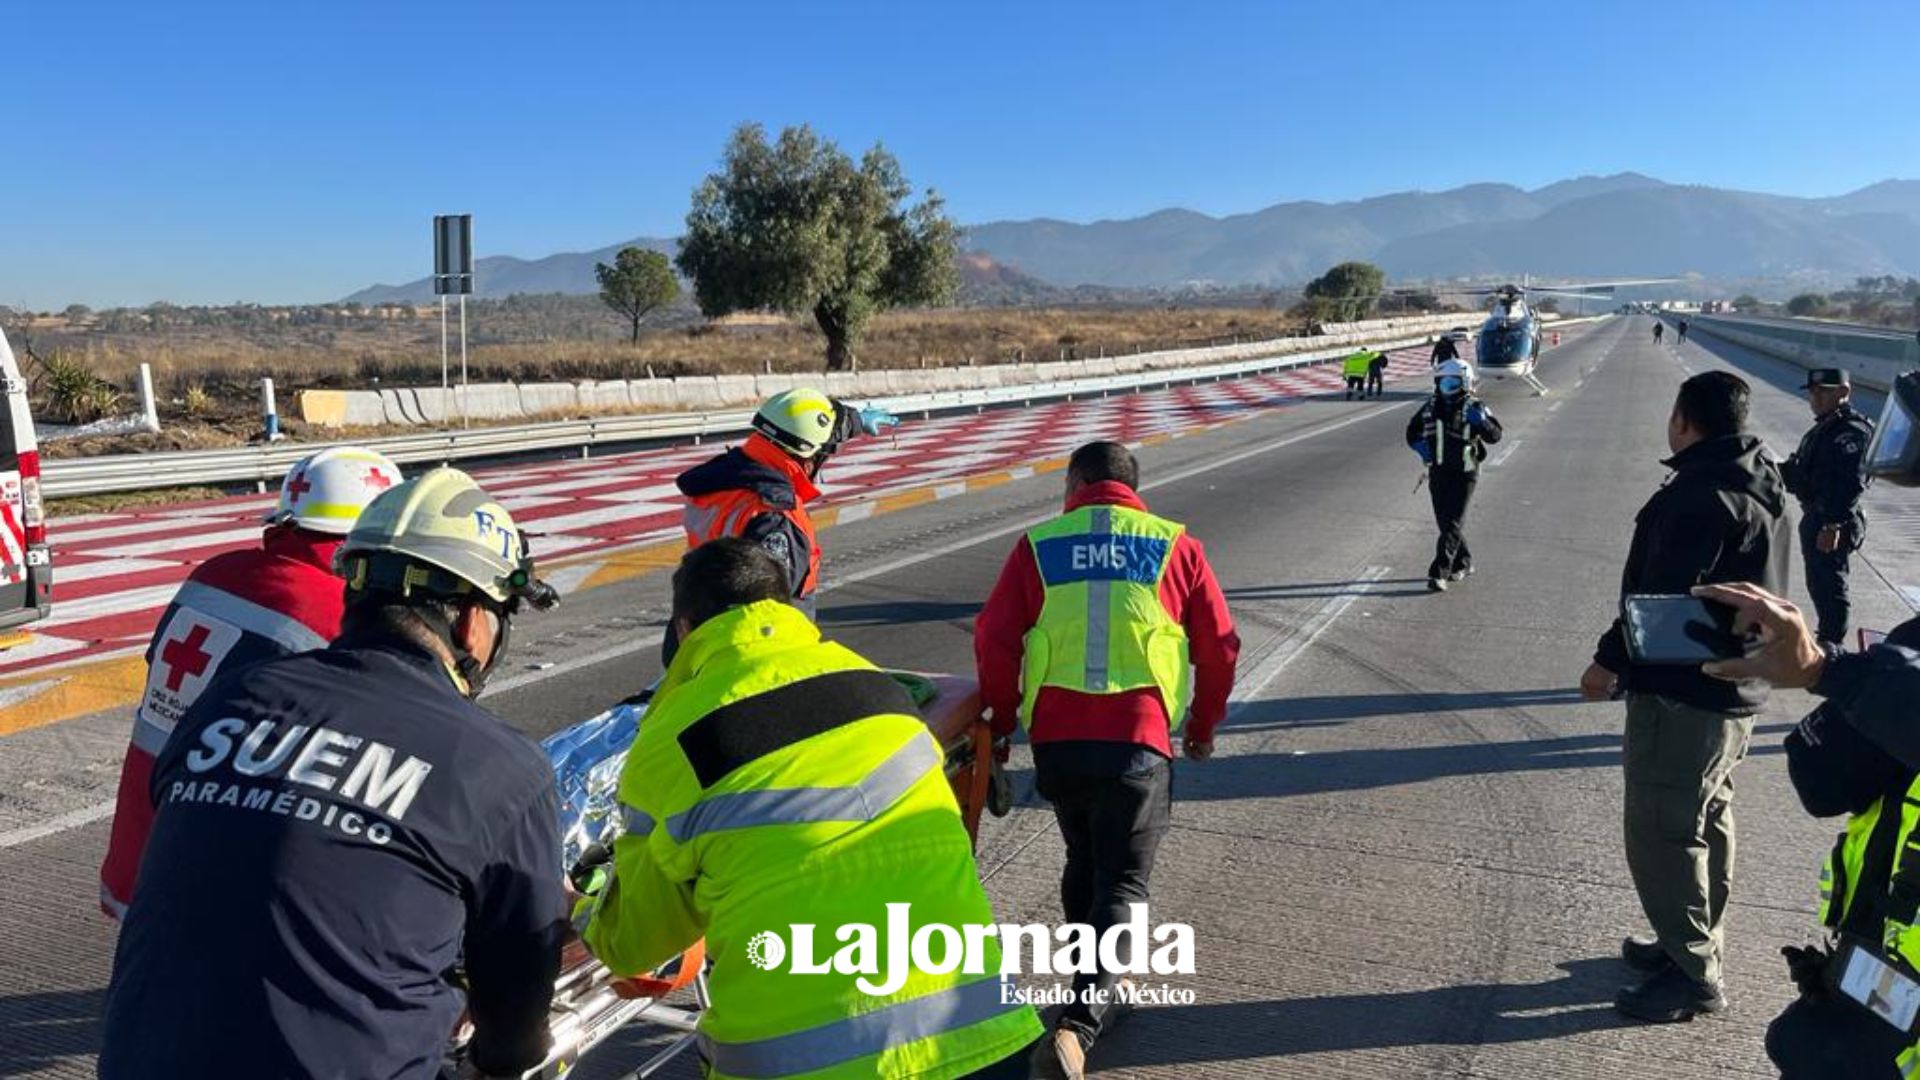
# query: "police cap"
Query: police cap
1827,376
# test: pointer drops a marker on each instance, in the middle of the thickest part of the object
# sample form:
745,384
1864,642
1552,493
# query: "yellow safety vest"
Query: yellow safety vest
1359,362
780,779
1102,628
1879,851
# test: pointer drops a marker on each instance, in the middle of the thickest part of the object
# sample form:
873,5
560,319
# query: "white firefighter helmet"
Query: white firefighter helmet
325,492
441,533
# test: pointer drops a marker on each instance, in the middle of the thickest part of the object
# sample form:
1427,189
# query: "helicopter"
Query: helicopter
1509,342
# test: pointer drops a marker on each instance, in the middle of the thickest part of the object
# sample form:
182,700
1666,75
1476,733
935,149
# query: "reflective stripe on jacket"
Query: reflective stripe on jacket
759,492
779,780
1102,628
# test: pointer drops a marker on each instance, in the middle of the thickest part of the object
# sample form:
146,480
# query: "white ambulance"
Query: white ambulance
26,566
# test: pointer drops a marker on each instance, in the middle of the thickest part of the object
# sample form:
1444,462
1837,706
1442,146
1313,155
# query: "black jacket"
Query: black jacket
735,471
341,840
1453,444
1837,767
1828,473
1718,518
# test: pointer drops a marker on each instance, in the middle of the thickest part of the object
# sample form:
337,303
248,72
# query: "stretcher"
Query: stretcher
589,1003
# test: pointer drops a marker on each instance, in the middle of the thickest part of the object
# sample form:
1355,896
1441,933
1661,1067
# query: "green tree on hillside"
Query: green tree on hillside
1746,303
797,226
1807,304
1347,292
638,283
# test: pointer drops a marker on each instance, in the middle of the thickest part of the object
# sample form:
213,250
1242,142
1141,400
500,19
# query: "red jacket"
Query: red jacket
1191,596
235,609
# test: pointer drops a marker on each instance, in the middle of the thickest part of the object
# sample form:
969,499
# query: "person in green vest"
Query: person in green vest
1105,629
1355,368
782,788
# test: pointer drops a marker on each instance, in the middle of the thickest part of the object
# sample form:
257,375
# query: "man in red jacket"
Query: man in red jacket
235,609
1105,624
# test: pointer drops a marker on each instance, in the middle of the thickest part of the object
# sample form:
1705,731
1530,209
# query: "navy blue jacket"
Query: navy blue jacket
341,839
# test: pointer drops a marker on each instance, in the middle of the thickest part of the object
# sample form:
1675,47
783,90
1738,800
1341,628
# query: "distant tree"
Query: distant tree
77,314
797,226
1807,304
1747,302
1348,291
638,283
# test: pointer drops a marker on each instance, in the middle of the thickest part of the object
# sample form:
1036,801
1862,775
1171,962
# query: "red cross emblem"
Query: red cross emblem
376,479
298,486
186,656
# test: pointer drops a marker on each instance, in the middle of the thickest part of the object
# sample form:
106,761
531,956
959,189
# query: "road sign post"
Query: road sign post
453,275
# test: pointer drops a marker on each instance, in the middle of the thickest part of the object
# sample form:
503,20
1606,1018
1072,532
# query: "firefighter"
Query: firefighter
1828,474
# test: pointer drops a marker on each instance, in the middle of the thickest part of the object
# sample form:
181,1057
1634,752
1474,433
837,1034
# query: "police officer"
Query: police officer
1828,475
347,852
780,779
1450,432
1377,375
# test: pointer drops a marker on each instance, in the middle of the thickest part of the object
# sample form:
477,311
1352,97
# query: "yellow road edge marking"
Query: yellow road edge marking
90,687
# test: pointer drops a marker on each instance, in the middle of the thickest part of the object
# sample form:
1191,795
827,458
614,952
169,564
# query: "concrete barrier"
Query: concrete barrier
538,399
1872,357
604,394
487,401
416,406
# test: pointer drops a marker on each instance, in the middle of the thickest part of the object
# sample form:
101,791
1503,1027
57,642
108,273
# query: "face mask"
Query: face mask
1894,454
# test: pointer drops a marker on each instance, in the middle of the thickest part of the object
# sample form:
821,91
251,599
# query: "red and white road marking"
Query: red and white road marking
114,573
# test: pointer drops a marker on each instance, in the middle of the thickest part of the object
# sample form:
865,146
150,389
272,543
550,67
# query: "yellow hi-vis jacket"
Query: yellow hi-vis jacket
1102,628
778,779
1356,365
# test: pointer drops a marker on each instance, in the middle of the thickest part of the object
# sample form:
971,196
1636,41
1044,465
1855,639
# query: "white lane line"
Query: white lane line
1555,407
651,640
86,815
1289,648
1505,453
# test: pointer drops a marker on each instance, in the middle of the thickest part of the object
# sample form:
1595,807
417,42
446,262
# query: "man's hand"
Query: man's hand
1829,539
1195,749
1788,655
1598,684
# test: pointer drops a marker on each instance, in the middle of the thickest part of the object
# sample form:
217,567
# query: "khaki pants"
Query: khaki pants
1679,823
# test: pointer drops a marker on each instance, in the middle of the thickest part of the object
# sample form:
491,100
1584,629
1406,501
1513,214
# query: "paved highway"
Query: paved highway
1404,860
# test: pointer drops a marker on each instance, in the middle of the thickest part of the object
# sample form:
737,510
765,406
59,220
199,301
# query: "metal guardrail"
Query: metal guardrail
266,464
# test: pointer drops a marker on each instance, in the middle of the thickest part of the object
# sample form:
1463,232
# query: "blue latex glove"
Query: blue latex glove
1476,414
1425,451
877,421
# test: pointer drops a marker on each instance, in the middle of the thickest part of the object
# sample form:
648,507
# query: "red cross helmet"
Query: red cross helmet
325,492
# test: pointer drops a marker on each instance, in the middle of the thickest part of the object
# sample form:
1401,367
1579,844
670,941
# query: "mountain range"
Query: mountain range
1625,224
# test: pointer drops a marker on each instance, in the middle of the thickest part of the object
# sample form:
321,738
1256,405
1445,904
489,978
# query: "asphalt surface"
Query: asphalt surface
1405,858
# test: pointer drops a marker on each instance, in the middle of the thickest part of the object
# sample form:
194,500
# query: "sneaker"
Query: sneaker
1436,584
1669,996
1061,1055
1644,954
1460,573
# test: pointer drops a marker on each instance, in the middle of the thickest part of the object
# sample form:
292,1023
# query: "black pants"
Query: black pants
1827,580
1356,382
1826,1038
1450,490
1112,825
1376,383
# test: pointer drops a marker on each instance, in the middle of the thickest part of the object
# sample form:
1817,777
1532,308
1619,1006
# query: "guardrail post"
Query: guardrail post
267,410
149,416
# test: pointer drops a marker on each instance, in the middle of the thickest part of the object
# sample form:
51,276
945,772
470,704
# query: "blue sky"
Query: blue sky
285,151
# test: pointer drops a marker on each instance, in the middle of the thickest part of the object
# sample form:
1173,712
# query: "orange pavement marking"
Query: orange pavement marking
82,689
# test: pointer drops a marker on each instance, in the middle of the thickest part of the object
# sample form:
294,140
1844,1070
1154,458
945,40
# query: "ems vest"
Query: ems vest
1358,363
1102,628
726,513
793,783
